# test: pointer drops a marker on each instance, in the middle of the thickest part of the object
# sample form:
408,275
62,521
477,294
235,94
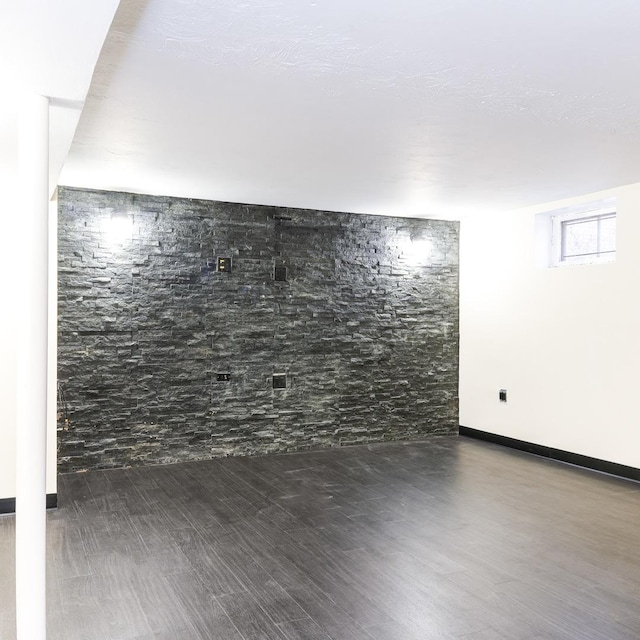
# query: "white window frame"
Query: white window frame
558,219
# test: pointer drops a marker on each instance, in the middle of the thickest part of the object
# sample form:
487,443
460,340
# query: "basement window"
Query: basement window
585,235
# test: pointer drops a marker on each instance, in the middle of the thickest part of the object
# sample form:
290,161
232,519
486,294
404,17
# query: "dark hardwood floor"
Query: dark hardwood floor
448,538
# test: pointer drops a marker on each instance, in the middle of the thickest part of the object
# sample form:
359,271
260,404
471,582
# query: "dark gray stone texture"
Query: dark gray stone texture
365,327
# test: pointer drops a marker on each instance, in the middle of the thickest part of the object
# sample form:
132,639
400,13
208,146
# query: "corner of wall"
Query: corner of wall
562,341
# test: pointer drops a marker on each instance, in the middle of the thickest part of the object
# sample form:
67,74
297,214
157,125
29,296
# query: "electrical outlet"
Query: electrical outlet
502,395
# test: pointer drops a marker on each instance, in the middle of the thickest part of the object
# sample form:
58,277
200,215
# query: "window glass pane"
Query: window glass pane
579,238
607,234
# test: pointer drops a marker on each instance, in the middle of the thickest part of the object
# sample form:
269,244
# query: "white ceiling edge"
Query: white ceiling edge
189,192
578,201
63,122
49,49
457,215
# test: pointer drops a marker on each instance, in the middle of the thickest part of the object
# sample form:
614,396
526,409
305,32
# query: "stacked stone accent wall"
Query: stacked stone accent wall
365,328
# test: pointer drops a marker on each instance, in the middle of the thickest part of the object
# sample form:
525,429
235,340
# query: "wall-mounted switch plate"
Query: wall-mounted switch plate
224,377
224,265
280,274
279,380
502,395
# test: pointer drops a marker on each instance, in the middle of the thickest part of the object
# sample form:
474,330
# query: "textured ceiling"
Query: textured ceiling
409,108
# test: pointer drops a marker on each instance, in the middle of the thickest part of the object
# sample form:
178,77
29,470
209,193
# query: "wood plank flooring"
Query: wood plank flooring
443,539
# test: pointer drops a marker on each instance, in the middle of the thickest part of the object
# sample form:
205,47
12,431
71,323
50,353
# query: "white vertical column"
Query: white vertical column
31,310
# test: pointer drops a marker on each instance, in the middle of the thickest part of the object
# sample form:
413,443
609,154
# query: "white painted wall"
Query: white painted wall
564,342
9,280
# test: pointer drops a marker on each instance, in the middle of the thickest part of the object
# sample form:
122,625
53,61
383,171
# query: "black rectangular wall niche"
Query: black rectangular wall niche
366,329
